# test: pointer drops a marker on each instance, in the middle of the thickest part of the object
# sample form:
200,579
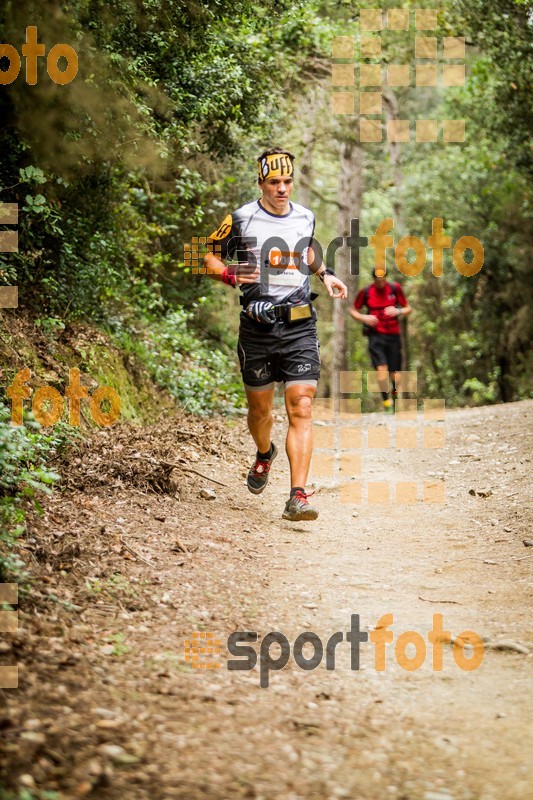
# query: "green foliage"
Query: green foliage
26,794
202,378
24,478
472,334
113,181
49,325
39,228
501,29
469,337
119,648
154,140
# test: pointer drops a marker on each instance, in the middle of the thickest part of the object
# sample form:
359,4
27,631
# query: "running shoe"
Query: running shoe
298,508
258,475
388,406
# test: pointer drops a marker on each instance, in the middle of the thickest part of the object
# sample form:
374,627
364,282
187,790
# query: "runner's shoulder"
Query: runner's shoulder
303,211
245,211
234,222
399,292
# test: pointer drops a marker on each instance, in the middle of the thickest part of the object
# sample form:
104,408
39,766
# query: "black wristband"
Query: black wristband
327,271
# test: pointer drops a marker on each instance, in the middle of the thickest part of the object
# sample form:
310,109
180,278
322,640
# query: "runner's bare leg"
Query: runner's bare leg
383,377
299,445
260,418
397,378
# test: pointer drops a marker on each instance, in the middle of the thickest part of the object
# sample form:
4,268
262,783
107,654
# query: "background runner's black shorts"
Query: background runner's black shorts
279,352
385,348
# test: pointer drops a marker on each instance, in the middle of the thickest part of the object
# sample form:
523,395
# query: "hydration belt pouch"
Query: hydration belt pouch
296,313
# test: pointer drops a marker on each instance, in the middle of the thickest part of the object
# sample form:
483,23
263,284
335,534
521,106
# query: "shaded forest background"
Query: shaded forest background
155,141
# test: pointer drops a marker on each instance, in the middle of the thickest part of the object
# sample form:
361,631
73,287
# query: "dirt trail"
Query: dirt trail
107,706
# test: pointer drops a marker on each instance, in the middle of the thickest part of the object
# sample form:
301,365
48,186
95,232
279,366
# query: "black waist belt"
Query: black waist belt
242,301
292,313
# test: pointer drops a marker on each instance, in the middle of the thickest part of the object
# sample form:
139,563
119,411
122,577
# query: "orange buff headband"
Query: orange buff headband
274,166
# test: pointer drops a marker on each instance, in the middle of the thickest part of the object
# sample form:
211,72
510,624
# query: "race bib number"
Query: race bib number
286,268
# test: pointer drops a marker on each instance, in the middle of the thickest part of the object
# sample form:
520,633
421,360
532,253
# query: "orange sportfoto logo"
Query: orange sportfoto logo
32,50
47,402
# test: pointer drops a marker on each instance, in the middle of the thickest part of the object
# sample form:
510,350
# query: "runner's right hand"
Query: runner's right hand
371,320
247,273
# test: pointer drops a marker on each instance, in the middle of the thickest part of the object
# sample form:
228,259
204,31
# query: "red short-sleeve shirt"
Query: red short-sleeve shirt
378,300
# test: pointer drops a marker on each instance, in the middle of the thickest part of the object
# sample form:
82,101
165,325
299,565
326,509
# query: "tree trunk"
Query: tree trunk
391,110
504,380
350,194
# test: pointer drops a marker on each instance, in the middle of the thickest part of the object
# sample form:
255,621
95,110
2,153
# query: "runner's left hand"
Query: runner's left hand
331,282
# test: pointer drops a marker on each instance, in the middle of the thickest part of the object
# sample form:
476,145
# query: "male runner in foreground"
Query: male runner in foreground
385,303
270,239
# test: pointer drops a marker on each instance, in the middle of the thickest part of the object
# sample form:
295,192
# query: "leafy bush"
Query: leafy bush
202,378
24,475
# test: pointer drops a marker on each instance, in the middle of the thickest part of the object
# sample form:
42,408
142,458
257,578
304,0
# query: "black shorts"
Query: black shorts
385,348
279,352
